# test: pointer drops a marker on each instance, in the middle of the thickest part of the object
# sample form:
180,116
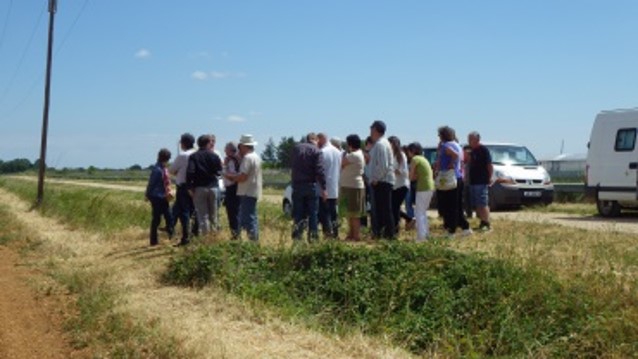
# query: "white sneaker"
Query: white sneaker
466,232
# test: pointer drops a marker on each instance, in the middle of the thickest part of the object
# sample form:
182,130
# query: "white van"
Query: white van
612,161
518,178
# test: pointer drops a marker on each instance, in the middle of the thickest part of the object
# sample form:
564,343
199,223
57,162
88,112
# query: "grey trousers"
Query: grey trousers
206,208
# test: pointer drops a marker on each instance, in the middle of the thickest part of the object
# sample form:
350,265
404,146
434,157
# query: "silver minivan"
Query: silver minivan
518,177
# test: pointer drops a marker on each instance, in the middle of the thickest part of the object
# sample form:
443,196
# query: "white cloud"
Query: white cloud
235,118
142,54
199,75
216,75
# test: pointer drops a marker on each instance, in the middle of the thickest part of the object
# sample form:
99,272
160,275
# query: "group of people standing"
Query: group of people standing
196,175
385,174
376,175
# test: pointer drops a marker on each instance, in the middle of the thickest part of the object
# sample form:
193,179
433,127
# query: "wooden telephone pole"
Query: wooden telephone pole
45,115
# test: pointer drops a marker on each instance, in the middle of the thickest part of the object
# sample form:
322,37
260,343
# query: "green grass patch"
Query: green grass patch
94,209
426,298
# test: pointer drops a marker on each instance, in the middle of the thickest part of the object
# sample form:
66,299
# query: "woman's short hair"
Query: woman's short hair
415,148
447,133
164,155
354,141
232,146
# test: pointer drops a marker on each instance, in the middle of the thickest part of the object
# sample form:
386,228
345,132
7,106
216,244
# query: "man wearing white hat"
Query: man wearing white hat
249,183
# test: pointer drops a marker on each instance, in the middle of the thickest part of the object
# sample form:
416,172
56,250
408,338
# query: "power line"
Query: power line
24,53
72,27
39,78
6,21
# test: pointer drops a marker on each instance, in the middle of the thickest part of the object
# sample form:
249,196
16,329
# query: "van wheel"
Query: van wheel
608,208
491,201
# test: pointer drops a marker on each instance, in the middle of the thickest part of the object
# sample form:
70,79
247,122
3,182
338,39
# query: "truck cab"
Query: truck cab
612,162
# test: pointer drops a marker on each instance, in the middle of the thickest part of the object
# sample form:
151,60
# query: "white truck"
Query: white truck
612,161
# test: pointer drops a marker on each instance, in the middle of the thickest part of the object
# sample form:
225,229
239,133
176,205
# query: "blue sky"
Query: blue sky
130,76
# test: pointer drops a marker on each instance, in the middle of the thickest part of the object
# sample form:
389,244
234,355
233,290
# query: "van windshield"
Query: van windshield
430,154
511,155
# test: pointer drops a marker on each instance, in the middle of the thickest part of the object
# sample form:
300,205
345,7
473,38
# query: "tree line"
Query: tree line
273,156
278,155
18,165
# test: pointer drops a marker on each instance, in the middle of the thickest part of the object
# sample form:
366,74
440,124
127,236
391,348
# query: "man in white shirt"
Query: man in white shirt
382,180
332,167
183,207
249,185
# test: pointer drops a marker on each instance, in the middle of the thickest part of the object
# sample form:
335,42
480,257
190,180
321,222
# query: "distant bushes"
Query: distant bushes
426,298
16,166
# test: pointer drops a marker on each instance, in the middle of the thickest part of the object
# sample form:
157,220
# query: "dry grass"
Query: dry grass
207,322
211,323
569,252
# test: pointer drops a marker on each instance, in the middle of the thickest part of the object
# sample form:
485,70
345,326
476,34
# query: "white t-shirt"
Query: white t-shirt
332,168
179,166
401,173
382,162
231,168
250,166
352,173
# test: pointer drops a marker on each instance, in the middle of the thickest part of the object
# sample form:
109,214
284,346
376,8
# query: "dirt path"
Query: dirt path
622,224
119,187
27,327
208,322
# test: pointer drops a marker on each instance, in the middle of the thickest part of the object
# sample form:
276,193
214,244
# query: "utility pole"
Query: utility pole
45,114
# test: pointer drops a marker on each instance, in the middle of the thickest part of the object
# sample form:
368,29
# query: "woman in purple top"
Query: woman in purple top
450,156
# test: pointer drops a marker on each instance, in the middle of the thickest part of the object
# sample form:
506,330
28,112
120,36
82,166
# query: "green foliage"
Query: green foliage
269,155
16,166
284,152
424,297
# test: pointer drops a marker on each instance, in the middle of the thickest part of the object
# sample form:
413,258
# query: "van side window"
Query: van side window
625,140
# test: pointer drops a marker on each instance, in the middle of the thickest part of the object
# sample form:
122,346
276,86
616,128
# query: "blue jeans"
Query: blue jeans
231,202
329,217
248,216
160,208
305,210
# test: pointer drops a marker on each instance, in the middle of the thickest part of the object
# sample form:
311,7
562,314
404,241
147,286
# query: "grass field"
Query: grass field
523,290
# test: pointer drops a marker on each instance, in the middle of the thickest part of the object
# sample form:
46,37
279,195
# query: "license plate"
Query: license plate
532,194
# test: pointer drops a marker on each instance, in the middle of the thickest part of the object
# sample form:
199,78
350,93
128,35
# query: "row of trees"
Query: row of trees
273,156
18,165
278,156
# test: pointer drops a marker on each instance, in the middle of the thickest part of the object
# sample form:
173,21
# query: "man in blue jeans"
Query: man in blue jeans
481,170
307,173
249,184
